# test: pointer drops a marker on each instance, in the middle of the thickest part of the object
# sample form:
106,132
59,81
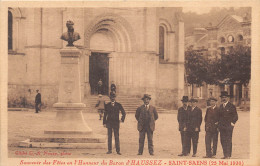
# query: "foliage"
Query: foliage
196,67
232,67
236,65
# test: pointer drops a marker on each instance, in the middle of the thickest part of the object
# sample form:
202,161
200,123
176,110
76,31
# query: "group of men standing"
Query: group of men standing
217,119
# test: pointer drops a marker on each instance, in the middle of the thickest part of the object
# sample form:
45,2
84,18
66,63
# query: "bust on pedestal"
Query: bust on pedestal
70,129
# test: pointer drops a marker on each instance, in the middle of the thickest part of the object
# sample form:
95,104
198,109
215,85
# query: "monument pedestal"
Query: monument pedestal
70,129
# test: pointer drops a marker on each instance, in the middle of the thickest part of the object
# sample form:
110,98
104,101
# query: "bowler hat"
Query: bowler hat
112,94
212,98
224,93
146,96
193,100
185,99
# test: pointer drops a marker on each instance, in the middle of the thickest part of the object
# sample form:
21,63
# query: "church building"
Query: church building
140,49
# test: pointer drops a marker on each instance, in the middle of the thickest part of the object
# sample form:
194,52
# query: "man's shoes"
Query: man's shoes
109,152
151,154
181,154
187,154
119,153
139,154
194,155
225,158
213,156
206,157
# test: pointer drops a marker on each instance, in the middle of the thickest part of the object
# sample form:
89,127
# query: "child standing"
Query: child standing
100,106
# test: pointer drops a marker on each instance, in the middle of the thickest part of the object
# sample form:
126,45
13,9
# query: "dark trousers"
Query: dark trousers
211,137
184,147
142,138
226,140
194,137
37,107
116,134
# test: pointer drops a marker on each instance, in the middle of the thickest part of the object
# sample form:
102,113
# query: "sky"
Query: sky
196,10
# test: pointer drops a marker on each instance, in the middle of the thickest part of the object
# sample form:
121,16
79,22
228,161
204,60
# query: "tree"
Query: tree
236,65
196,68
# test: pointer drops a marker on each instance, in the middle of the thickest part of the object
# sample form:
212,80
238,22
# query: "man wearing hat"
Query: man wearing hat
211,121
38,101
193,126
228,118
182,118
146,115
111,121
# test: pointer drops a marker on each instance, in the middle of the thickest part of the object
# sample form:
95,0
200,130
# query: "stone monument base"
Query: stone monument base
69,131
73,141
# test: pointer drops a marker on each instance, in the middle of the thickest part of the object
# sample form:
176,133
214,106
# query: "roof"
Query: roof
234,17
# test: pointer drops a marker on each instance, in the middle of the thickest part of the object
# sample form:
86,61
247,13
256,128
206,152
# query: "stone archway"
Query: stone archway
110,34
116,27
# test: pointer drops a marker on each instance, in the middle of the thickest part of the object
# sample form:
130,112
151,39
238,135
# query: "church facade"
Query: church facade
140,49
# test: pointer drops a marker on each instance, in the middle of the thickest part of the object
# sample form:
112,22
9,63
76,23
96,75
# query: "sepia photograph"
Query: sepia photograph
129,85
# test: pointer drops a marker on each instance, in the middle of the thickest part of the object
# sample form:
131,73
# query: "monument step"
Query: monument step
28,144
69,139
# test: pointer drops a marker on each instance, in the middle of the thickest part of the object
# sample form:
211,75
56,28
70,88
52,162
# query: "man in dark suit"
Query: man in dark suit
146,115
193,126
228,118
111,121
211,122
38,101
182,120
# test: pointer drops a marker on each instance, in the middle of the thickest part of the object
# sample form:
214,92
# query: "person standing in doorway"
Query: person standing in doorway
100,85
228,118
38,101
211,127
146,115
182,118
113,87
111,121
193,129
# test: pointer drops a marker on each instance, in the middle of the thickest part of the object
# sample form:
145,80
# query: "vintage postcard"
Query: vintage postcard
130,83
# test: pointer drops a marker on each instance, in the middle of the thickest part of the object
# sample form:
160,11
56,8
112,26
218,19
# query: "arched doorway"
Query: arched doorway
109,38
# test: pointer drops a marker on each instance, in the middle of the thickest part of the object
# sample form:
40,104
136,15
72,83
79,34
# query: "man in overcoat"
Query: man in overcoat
38,101
211,127
146,115
228,118
182,118
112,123
193,126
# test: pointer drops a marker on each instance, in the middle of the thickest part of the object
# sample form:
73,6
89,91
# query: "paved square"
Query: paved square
167,142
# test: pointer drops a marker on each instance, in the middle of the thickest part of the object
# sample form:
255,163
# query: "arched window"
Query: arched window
230,39
222,40
161,42
10,30
240,38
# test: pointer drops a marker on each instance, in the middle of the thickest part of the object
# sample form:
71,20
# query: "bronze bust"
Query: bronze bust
70,36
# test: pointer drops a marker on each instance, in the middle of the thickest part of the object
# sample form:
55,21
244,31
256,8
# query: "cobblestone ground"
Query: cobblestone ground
167,142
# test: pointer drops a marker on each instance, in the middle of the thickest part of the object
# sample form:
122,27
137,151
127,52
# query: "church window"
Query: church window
161,42
10,30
